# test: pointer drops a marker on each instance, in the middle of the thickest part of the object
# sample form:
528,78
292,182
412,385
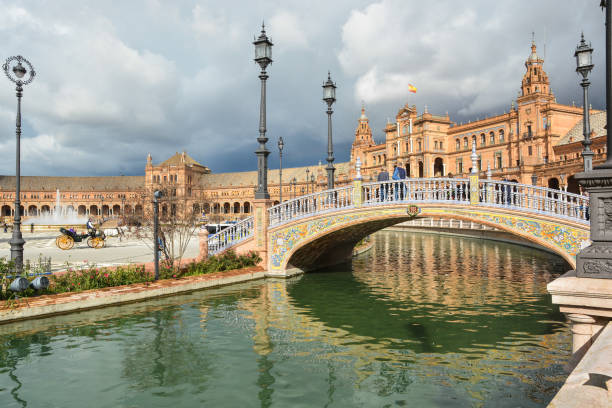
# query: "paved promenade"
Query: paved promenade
129,250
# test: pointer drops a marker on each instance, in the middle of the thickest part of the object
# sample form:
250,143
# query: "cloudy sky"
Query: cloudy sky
117,80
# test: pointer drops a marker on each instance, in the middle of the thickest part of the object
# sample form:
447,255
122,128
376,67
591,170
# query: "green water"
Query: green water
418,321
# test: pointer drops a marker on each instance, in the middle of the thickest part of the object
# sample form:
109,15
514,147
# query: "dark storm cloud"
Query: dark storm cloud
116,82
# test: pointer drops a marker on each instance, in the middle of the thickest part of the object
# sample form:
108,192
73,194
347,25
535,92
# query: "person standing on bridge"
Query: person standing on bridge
383,176
399,174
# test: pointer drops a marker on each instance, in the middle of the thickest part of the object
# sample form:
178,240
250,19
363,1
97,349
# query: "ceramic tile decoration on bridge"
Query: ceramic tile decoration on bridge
333,219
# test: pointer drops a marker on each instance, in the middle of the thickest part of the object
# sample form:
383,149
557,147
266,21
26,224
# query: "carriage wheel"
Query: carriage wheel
64,242
90,242
97,242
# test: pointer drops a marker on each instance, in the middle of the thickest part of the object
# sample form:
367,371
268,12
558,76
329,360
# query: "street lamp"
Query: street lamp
281,144
263,56
312,181
123,206
584,65
307,178
19,72
102,208
329,96
156,196
607,4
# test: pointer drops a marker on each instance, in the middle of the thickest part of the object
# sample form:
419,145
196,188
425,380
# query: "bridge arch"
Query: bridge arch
328,239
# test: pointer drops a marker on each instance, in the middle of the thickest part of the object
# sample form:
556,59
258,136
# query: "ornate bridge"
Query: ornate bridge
321,228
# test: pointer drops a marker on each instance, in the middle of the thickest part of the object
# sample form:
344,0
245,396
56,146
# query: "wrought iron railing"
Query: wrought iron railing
230,236
311,204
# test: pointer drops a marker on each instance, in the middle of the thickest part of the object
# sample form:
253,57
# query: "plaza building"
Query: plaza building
537,141
221,196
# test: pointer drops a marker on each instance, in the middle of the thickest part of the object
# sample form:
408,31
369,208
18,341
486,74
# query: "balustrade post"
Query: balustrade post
474,177
203,244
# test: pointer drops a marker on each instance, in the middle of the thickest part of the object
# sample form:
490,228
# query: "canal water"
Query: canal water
420,320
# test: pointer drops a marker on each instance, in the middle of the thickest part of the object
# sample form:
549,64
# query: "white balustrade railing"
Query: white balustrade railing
541,200
416,189
311,204
230,236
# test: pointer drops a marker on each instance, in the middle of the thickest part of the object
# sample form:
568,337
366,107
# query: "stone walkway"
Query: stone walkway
116,252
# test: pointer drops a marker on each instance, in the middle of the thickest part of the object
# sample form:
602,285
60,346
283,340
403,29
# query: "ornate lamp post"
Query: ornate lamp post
102,208
607,4
312,182
329,96
584,65
281,144
19,72
263,56
307,179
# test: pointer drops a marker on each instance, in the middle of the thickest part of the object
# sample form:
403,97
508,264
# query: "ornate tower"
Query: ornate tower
363,138
533,119
535,81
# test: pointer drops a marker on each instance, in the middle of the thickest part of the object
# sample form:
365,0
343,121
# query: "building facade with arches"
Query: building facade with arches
537,140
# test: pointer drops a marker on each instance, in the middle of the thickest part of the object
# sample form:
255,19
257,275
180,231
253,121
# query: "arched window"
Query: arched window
501,136
492,137
465,142
483,139
458,143
473,139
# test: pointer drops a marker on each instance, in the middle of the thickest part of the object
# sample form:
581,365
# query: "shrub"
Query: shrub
218,263
96,278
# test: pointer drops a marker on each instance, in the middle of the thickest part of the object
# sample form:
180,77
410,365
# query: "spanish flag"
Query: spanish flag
412,88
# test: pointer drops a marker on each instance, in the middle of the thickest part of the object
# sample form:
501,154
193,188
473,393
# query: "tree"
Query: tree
178,222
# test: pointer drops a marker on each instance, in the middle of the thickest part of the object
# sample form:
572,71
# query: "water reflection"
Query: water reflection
420,320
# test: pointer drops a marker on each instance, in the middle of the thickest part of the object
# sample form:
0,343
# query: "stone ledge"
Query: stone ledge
592,294
590,384
49,305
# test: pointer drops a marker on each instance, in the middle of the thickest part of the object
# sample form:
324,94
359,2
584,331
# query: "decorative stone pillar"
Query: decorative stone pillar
490,186
261,220
587,303
357,186
203,241
474,176
595,261
584,330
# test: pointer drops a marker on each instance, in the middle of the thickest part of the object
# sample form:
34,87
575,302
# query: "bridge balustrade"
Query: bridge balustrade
541,200
230,236
424,190
311,204
492,193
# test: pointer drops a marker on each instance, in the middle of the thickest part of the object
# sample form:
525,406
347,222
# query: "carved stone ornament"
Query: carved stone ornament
595,261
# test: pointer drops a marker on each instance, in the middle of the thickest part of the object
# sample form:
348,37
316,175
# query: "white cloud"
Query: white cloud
288,28
116,81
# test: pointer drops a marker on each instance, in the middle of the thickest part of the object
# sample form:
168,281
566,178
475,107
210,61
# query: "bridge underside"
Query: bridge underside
324,240
337,246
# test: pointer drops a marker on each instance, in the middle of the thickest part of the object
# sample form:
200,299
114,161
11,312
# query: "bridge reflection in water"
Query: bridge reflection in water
420,320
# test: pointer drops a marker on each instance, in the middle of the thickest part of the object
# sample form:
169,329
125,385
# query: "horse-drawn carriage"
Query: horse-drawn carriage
95,239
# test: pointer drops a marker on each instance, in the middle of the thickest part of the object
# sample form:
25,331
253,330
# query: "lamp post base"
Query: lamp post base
595,261
16,242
